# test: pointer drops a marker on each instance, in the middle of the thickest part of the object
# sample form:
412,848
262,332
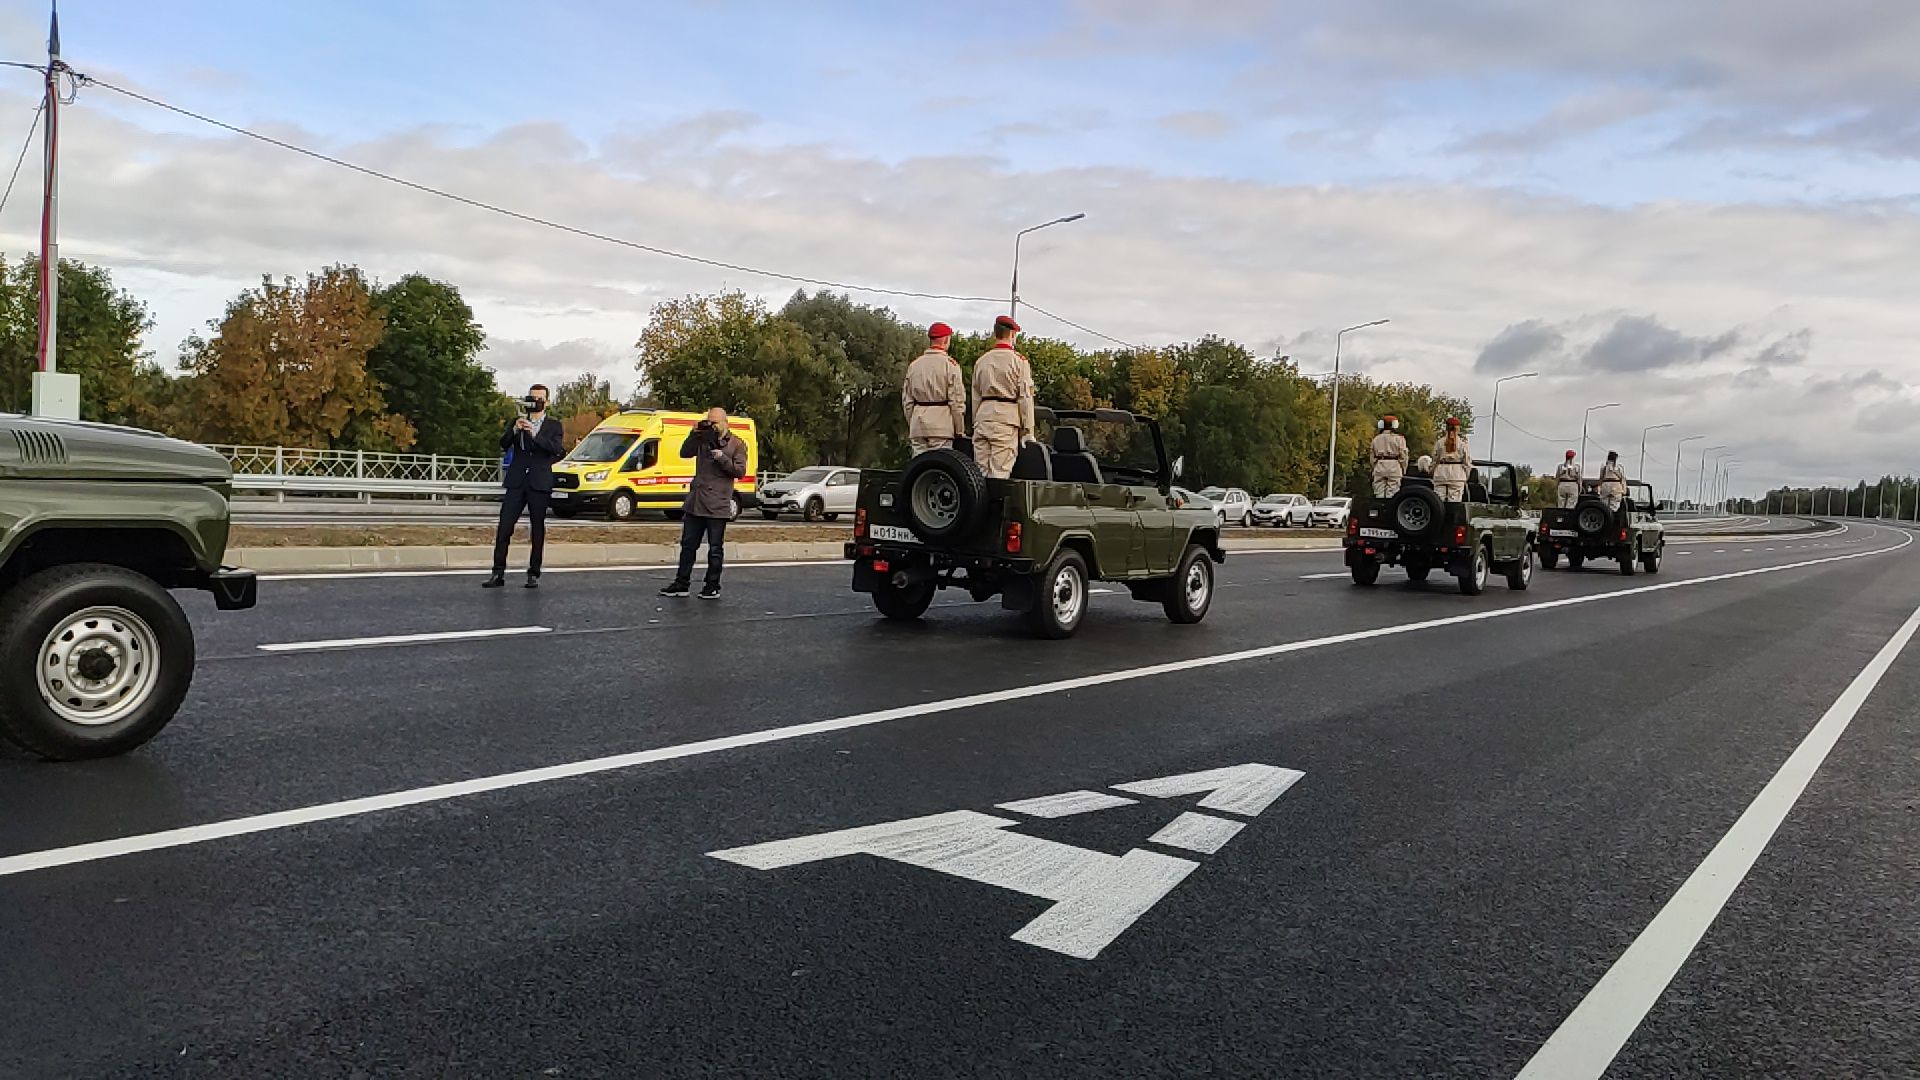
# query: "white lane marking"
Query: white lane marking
404,639
1101,592
357,575
1203,833
1586,1042
307,815
1065,804
1318,577
1237,789
1719,551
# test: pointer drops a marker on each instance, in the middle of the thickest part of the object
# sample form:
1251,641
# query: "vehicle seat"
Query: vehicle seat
1476,491
1071,461
1417,481
1032,463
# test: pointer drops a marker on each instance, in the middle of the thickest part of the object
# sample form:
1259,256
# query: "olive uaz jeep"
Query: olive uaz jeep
1066,516
1588,530
1418,530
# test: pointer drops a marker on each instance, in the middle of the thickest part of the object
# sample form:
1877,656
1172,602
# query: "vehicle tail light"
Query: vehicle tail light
860,523
1543,528
1623,534
1459,536
1013,538
1353,526
881,566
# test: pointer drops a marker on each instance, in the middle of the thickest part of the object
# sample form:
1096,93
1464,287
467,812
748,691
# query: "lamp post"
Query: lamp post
1700,486
1013,298
1333,423
1715,489
1493,426
1583,431
1726,484
1642,474
1681,445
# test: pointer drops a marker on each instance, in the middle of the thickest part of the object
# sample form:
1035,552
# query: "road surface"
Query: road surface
1424,829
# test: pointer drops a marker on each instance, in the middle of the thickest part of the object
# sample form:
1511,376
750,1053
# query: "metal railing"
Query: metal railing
281,470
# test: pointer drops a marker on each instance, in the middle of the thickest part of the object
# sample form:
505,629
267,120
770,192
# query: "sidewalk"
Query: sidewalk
476,557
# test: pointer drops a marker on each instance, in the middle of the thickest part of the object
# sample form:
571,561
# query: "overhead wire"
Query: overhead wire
25,145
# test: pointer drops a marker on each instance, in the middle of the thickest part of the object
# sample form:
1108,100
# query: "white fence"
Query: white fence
283,470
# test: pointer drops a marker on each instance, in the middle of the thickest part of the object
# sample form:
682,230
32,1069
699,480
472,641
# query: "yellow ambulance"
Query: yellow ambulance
632,462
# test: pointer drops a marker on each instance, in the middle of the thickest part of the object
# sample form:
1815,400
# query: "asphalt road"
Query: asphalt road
335,862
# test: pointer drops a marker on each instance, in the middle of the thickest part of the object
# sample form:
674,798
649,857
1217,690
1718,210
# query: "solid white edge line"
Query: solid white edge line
1587,1041
282,819
404,639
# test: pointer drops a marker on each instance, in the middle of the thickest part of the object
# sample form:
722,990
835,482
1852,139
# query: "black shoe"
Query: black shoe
533,581
494,581
676,588
710,591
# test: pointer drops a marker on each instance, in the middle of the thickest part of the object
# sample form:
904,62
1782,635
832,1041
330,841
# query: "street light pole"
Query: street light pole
1642,474
1493,426
1681,445
1584,417
1013,297
1333,423
1700,486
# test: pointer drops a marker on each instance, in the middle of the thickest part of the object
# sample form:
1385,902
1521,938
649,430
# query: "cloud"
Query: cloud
1632,344
1642,343
1580,114
1197,124
1518,345
518,363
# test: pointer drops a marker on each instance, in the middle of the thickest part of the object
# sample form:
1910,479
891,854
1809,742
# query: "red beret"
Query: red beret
939,330
1569,453
1006,321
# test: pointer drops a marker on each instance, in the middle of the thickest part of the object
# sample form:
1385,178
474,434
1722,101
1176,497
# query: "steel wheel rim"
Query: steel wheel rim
1068,596
1197,585
1526,568
1414,516
1480,565
936,500
1590,520
98,665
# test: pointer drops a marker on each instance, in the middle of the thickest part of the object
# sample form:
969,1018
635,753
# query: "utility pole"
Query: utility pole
55,395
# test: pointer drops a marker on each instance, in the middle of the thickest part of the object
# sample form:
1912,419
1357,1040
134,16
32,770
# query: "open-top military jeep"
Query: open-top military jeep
1588,530
96,524
1419,531
1066,516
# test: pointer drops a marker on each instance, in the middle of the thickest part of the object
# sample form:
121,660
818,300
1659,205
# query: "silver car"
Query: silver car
816,493
1283,511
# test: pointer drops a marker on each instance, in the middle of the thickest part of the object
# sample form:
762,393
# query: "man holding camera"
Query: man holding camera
719,458
533,442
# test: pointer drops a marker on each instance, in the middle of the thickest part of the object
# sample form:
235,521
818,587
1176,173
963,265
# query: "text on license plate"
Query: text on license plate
1568,533
1379,534
895,534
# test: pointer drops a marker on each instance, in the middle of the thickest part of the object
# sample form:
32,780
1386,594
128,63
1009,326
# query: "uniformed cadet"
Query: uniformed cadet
1568,474
1613,481
1389,457
1002,402
934,394
1452,462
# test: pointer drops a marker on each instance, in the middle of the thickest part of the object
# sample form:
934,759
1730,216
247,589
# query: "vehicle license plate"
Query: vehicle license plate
894,534
561,495
1567,533
1378,534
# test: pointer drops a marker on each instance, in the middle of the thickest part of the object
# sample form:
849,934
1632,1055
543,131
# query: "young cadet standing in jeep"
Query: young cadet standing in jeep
1389,457
1568,474
934,394
1452,462
1613,481
1002,402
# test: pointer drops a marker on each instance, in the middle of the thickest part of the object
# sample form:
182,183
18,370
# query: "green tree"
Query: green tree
867,350
101,338
427,368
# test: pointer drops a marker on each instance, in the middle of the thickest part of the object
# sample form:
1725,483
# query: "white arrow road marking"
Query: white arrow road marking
1065,804
1237,789
1096,896
1203,833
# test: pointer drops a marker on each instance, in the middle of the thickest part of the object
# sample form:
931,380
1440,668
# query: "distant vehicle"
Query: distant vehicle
816,493
1230,504
632,462
1283,511
96,523
1332,512
1490,532
1588,530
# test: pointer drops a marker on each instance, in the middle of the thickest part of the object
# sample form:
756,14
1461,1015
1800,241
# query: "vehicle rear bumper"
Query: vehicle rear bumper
233,588
1397,553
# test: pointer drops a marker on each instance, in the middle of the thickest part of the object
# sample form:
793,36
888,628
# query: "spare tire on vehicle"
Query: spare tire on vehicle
1416,512
1592,518
943,494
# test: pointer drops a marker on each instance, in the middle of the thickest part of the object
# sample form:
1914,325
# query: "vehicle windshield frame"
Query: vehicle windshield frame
625,447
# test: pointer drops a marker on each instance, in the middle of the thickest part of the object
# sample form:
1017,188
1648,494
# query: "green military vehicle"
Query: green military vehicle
1064,517
96,524
1587,530
1490,532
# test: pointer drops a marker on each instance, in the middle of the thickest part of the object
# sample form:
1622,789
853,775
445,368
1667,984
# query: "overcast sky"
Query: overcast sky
1707,217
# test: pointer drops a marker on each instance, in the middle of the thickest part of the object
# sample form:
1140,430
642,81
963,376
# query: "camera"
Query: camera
527,406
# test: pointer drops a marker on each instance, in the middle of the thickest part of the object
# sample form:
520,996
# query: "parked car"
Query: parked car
1283,511
1230,504
816,492
1332,512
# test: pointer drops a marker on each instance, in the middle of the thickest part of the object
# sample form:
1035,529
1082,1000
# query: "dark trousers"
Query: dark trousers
512,503
692,528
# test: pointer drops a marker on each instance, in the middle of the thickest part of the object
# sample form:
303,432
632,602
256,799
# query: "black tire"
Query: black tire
1575,560
674,515
1650,562
1626,564
942,494
1190,593
1418,571
832,517
906,604
1520,574
137,622
1366,572
1550,559
1592,518
1054,613
770,515
814,510
1473,580
1416,513
621,506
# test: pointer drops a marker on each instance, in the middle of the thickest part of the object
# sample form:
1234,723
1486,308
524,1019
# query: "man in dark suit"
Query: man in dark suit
533,444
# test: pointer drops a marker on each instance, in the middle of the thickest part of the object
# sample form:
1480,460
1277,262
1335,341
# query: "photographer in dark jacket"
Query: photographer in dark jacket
533,442
719,458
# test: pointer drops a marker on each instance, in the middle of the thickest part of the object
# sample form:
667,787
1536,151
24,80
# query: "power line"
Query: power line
1531,435
1077,326
87,80
24,146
